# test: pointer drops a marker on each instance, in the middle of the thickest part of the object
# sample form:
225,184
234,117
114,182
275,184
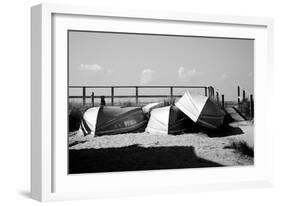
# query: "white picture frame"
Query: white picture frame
49,179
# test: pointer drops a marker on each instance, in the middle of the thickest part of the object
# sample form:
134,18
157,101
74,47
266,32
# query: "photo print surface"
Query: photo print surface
150,102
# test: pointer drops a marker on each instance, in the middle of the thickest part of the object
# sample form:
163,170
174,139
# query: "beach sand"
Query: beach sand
143,151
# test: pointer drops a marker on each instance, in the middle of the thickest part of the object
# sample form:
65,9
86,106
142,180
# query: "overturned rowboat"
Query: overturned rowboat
110,120
169,120
201,110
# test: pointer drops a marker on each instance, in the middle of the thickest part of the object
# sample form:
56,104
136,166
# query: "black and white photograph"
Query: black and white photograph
154,101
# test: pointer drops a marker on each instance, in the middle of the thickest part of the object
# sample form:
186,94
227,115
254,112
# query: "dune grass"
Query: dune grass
242,147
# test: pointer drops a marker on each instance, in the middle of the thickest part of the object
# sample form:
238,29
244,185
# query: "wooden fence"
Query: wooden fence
245,100
208,91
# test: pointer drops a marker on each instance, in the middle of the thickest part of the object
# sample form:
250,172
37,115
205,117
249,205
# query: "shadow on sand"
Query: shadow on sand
224,131
134,158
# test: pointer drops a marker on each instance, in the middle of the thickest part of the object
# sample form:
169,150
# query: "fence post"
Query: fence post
209,91
238,91
218,100
171,95
222,100
244,95
251,106
84,95
112,96
137,95
206,92
93,99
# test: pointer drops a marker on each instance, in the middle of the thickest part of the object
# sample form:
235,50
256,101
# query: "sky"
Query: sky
99,58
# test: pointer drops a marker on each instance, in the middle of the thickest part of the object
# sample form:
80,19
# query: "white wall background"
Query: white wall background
15,95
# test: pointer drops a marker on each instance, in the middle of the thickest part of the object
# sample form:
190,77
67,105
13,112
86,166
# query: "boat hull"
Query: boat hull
179,123
211,116
118,120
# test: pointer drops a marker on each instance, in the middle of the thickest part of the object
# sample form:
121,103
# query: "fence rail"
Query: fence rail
208,91
125,96
190,87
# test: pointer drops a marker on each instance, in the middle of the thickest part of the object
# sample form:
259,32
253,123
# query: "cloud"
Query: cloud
188,73
91,67
225,76
147,76
96,69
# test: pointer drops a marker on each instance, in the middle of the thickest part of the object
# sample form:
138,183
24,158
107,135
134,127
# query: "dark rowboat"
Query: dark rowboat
110,120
